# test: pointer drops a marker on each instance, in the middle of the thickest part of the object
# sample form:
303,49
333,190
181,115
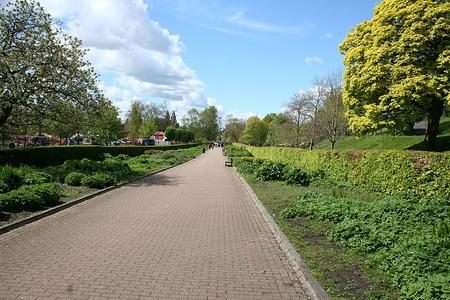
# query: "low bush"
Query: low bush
297,176
74,178
234,151
405,239
11,178
248,165
97,181
33,176
271,171
30,197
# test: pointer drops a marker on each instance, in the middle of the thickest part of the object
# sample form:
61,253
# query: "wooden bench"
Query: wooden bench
229,163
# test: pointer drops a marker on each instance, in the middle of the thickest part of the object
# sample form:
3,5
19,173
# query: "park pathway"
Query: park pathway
191,232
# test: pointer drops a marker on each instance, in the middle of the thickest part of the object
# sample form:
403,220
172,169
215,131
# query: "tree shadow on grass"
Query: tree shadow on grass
157,179
442,144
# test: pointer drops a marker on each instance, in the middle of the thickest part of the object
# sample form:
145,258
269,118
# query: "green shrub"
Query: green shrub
33,176
233,151
405,239
50,193
297,176
248,165
271,171
74,178
151,152
407,174
98,180
11,178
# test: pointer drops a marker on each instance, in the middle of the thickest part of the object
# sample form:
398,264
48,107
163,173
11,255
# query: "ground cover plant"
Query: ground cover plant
27,188
402,243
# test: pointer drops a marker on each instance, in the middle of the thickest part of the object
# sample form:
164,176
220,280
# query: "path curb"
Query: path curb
54,210
310,284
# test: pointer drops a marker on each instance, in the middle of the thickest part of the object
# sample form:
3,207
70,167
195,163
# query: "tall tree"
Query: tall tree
148,128
40,66
397,66
209,123
298,108
135,120
106,126
316,100
331,117
255,132
233,129
173,120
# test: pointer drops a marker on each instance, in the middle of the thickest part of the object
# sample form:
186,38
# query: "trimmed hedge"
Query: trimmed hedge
411,174
55,155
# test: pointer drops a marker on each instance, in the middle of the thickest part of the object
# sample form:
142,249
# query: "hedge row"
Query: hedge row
55,155
410,174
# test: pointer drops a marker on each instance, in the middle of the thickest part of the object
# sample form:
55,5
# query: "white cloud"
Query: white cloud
313,60
143,58
239,18
328,35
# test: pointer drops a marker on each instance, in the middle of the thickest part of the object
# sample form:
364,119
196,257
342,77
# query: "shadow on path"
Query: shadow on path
157,179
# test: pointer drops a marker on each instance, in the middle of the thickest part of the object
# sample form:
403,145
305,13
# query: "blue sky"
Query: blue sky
246,57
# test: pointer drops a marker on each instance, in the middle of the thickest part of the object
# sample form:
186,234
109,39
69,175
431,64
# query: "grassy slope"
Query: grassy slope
391,142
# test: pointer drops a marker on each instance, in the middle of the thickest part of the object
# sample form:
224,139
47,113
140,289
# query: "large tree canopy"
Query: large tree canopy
397,66
41,67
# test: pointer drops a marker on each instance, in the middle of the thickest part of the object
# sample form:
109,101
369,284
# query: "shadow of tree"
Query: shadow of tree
442,144
157,179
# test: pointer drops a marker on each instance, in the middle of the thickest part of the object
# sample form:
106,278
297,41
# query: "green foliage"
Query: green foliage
297,176
397,66
248,165
271,171
74,178
55,155
171,133
398,236
233,151
255,132
30,197
33,176
11,178
409,174
97,180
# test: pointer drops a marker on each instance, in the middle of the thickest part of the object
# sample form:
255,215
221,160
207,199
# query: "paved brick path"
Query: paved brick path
189,232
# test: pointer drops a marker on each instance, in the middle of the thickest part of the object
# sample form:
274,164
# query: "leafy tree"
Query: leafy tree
255,132
135,120
40,66
281,129
315,102
148,128
192,121
106,127
184,135
209,123
171,133
233,129
397,66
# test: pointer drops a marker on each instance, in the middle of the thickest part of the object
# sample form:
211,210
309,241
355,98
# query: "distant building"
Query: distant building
420,128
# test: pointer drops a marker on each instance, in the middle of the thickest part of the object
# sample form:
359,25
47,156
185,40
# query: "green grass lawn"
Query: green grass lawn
384,141
341,272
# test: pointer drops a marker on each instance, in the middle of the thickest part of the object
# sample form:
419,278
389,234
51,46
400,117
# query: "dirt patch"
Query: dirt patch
344,275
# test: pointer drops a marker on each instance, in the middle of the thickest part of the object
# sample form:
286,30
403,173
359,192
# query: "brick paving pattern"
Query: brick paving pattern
191,232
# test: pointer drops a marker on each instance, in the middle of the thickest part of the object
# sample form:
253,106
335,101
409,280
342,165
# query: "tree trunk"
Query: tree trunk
435,113
5,112
332,145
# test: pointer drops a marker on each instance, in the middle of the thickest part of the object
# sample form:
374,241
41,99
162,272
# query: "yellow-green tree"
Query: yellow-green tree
398,65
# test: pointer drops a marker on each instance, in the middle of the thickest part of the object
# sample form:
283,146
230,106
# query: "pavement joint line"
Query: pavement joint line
56,209
310,284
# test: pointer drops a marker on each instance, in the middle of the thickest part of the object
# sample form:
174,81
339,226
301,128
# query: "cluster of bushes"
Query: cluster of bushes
28,188
266,170
30,197
55,155
407,174
233,151
408,240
